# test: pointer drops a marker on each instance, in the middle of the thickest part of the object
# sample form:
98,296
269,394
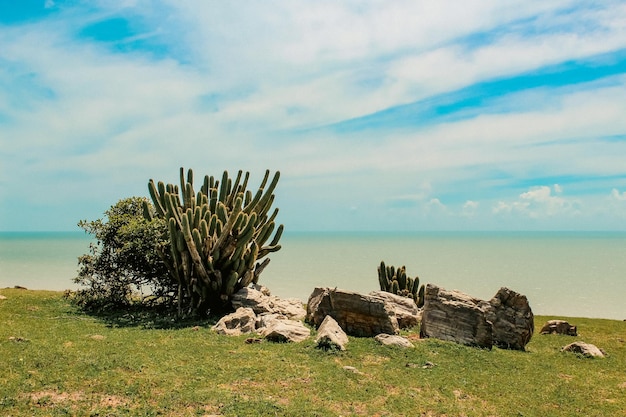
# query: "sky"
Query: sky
379,115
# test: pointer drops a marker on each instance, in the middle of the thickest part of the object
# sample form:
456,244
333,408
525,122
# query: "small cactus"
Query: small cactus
397,282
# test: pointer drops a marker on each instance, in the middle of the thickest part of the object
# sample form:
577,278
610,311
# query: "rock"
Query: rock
455,316
286,331
393,340
260,301
511,318
406,311
352,369
2,297
586,349
559,327
241,321
357,314
506,321
330,335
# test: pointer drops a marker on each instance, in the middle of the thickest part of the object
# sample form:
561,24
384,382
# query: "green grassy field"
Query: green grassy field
57,361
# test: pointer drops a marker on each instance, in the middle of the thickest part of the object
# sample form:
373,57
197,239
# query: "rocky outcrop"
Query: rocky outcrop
506,320
330,335
511,318
559,327
406,311
393,340
456,317
357,314
585,349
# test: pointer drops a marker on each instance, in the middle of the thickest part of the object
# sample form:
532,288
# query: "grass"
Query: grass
57,361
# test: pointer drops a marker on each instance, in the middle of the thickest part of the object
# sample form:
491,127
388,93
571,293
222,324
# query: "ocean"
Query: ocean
568,274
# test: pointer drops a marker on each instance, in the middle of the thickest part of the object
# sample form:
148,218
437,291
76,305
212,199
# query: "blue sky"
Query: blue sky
380,115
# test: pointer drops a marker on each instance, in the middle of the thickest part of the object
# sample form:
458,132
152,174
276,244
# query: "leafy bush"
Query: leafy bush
124,265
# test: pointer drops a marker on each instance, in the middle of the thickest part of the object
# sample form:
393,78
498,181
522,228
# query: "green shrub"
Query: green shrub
123,265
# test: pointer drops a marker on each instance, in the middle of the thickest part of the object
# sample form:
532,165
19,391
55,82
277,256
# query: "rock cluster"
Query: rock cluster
505,321
335,313
257,311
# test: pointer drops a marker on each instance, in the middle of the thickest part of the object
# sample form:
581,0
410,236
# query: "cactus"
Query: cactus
217,235
397,282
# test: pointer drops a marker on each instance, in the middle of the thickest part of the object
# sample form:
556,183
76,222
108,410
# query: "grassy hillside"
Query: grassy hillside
57,361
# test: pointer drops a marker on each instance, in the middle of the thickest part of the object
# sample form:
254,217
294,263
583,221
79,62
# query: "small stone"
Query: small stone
428,365
18,339
2,297
558,327
393,340
97,337
352,369
585,349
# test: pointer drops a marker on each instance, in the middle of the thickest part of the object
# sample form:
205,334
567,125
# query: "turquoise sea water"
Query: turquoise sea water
566,274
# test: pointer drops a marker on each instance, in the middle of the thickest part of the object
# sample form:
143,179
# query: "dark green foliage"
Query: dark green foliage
218,234
397,282
123,261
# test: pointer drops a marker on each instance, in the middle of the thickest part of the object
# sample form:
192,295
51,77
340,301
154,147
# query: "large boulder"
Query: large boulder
506,321
357,314
406,311
511,318
456,317
261,301
330,335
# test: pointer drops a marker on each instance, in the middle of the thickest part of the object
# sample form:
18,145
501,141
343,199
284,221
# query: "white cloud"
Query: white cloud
539,202
616,195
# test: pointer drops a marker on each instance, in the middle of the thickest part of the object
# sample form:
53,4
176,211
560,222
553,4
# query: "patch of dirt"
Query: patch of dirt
56,397
46,397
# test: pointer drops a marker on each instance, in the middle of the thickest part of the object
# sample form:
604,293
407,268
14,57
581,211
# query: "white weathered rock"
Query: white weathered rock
559,327
393,340
286,331
357,314
586,349
330,335
455,316
2,297
406,311
242,321
267,319
262,302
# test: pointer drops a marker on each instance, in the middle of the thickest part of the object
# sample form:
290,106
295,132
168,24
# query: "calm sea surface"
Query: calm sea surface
566,274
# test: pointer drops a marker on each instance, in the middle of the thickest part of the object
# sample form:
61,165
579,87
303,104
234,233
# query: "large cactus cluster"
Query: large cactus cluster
397,282
217,235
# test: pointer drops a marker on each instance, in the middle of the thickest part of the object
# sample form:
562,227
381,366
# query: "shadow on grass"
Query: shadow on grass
147,317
